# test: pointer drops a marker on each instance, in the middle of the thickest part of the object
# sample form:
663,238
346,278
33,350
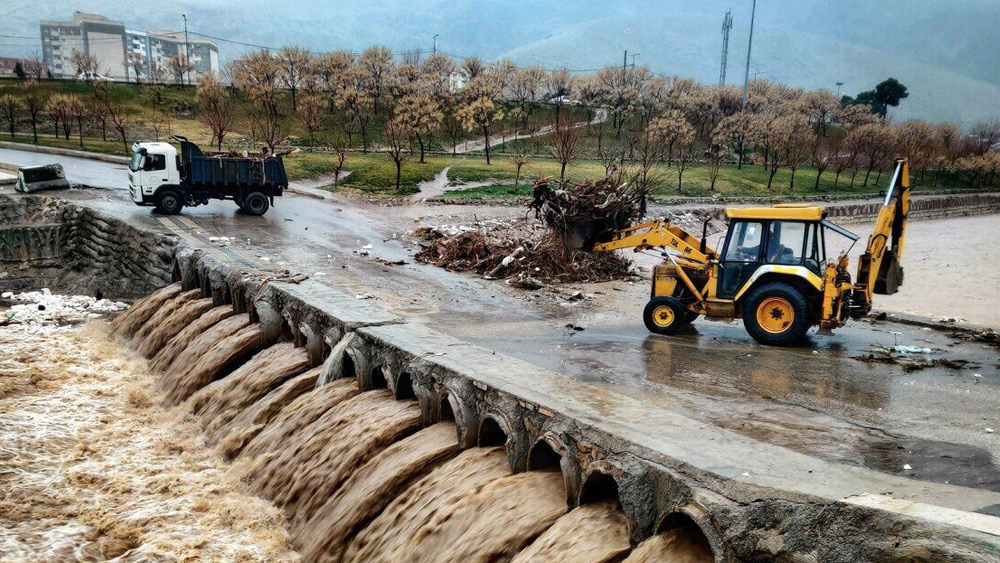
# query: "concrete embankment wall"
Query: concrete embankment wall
46,242
844,212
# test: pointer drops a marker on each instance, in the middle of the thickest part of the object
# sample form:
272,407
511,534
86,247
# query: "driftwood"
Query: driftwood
574,219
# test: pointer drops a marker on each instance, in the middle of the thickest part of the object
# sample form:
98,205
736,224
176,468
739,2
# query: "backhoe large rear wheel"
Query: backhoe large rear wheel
776,314
664,315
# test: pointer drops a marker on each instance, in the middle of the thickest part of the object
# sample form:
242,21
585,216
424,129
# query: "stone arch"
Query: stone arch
550,452
599,485
402,386
493,432
693,521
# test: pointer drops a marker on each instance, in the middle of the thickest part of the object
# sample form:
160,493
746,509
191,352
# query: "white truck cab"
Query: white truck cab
154,164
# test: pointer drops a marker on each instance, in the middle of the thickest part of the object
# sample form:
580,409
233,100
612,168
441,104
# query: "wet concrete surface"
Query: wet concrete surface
818,400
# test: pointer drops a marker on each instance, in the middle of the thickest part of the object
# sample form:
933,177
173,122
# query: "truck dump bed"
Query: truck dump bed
224,169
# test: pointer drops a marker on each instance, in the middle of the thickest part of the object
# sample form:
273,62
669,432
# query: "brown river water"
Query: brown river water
320,471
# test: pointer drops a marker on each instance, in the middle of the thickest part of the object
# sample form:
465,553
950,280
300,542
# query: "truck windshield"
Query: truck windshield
136,163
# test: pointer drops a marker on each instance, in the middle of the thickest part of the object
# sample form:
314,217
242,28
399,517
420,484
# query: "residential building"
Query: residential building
90,34
114,46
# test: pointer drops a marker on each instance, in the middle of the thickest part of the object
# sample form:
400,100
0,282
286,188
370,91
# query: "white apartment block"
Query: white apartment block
110,43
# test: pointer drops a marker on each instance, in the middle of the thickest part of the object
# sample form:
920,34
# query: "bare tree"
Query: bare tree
437,70
565,147
685,153
35,98
358,104
216,108
77,112
375,65
558,87
340,151
137,63
9,104
86,66
519,157
34,67
178,66
671,128
397,140
472,67
985,136
118,114
735,132
714,154
61,110
258,74
294,63
875,142
310,112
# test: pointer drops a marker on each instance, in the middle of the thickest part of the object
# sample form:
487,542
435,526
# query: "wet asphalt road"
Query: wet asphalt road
819,400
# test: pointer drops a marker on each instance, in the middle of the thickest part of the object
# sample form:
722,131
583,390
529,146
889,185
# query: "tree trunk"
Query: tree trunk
364,140
79,127
55,127
819,174
104,130
517,177
854,175
295,105
879,177
399,172
34,129
771,178
562,171
486,135
680,178
420,140
867,174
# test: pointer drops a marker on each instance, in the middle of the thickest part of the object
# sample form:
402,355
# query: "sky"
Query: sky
944,50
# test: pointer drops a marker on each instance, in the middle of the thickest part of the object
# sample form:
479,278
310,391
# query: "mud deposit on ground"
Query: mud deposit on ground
92,469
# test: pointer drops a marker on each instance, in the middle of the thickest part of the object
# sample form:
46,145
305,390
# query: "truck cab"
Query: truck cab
154,164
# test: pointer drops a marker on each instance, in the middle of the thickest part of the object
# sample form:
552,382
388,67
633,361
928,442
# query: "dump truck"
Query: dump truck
159,176
772,270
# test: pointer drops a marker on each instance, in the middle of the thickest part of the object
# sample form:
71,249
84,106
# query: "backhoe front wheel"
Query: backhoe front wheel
664,315
776,314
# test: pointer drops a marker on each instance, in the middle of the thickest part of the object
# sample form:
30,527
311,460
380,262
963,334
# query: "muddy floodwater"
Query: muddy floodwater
950,265
92,469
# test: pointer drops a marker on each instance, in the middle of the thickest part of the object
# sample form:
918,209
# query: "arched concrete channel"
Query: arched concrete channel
750,501
663,480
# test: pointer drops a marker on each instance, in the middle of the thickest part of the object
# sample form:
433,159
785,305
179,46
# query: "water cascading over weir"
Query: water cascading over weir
385,441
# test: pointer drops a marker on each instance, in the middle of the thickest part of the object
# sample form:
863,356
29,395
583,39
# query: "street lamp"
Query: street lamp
435,50
839,84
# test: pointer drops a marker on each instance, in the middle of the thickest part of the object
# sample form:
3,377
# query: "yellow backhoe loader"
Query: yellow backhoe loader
773,270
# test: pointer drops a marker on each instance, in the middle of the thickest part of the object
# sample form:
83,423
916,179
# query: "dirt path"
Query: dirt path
479,144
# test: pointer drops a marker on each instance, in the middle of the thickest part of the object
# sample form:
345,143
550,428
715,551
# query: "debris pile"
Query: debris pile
550,250
45,308
585,211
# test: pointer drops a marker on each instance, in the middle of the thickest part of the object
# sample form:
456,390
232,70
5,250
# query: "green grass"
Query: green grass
375,173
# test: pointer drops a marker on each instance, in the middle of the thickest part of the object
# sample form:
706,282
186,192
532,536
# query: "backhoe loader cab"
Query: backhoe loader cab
772,270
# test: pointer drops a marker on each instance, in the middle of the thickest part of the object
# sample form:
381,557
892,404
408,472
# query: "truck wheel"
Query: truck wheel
169,202
663,315
256,204
776,314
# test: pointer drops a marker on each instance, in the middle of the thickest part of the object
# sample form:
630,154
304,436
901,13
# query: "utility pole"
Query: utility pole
625,61
727,25
435,49
187,51
746,78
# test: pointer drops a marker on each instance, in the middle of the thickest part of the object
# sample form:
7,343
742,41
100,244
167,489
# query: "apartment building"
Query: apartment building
115,47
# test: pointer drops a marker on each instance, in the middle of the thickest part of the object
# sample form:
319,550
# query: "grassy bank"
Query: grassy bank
375,173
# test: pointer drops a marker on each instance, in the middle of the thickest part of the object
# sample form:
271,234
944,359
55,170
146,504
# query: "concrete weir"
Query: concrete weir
747,500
